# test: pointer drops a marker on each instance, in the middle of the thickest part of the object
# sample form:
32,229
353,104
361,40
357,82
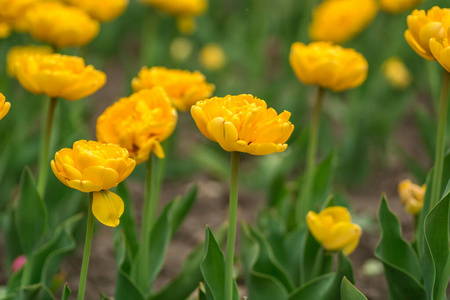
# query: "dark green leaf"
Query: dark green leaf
350,292
127,223
35,292
66,292
181,208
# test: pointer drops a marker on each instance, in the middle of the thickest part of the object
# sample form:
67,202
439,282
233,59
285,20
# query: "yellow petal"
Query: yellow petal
106,178
316,226
107,207
338,213
341,236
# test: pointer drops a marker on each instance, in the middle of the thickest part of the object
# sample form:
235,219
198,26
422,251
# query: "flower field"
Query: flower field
224,150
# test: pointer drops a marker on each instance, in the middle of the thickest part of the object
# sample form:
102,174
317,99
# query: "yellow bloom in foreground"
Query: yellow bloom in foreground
332,228
398,6
212,57
18,53
179,7
102,10
5,30
328,66
4,106
424,26
340,20
61,25
94,167
59,75
396,73
139,123
412,196
243,123
441,52
183,88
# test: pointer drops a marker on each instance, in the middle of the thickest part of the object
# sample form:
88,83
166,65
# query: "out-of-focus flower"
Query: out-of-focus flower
139,123
338,21
441,52
5,30
328,66
4,106
412,196
396,73
18,53
18,263
424,26
179,7
95,167
13,11
186,25
102,10
333,228
180,48
61,25
398,6
183,88
59,75
243,123
212,57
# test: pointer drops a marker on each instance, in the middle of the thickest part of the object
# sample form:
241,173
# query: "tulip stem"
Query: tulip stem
232,224
440,142
304,203
45,145
87,250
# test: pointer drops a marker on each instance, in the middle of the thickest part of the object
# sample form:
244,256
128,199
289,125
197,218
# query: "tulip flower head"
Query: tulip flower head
59,75
4,106
212,57
412,196
5,30
328,66
183,88
179,7
338,21
61,25
424,26
441,51
243,123
18,53
139,123
95,167
396,73
398,6
332,228
18,263
12,12
102,10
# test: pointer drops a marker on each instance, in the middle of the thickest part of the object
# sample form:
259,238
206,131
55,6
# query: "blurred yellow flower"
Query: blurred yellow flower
328,66
102,10
4,106
398,6
333,228
18,53
411,195
396,73
61,25
338,21
179,7
212,57
12,12
183,88
180,48
5,30
441,52
424,26
186,25
59,75
243,123
139,123
95,167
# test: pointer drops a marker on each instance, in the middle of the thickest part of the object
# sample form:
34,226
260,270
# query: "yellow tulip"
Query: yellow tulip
59,75
4,106
183,88
243,123
95,167
328,66
61,25
12,12
139,123
412,196
179,7
332,228
102,10
441,52
181,48
18,53
396,73
212,57
338,21
398,6
5,30
424,26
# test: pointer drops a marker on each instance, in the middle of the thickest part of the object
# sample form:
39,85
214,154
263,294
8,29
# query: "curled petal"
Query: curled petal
107,207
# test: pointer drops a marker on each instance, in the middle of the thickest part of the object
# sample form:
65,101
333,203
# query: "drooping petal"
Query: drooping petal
107,207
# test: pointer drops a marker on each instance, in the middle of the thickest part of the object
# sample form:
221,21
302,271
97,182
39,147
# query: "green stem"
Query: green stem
304,203
45,145
149,37
318,262
232,224
27,269
87,250
440,142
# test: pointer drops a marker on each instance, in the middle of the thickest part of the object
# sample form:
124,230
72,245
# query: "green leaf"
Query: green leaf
181,209
31,215
401,265
323,179
127,223
35,292
436,251
190,275
213,269
277,190
66,292
350,292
